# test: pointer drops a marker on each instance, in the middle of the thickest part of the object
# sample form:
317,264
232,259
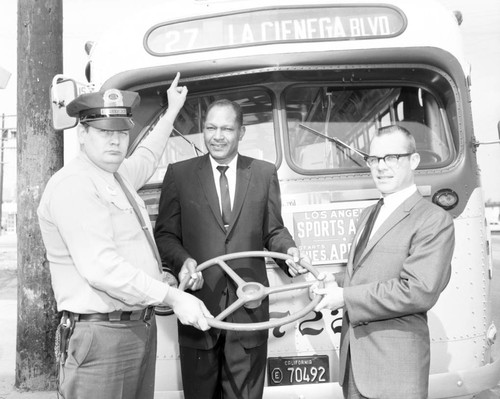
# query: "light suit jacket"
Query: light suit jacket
190,224
399,277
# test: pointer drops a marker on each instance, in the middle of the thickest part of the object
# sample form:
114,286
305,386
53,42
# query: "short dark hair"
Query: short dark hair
227,103
412,147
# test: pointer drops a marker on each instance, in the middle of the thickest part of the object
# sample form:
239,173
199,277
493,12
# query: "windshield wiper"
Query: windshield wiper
196,149
335,140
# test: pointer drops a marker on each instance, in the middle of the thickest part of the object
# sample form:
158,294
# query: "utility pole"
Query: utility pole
2,131
39,155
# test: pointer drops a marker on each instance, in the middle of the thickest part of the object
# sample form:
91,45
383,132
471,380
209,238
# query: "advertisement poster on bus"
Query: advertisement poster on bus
325,231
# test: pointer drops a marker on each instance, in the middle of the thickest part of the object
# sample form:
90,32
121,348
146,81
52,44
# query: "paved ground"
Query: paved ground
8,319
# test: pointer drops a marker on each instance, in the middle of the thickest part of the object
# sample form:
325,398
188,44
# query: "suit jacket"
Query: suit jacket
190,224
399,277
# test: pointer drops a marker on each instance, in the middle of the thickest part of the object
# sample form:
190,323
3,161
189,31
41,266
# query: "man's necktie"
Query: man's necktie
365,235
224,194
138,213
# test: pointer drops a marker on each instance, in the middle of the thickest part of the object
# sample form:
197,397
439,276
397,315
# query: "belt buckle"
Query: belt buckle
115,316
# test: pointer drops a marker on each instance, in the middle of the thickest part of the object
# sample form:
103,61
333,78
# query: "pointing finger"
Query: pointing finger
175,82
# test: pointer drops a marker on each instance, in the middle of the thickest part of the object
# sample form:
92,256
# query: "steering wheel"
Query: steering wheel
429,156
250,294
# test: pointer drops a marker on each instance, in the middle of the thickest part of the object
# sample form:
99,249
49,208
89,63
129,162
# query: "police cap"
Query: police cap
108,110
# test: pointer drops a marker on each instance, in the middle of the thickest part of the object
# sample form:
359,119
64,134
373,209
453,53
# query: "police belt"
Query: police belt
135,315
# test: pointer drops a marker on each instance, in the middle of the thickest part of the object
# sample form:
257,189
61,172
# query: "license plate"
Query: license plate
298,370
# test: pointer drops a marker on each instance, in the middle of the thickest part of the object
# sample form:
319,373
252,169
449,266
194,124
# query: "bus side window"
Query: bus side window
418,112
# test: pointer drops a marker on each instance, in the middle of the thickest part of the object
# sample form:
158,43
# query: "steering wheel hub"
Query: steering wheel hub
252,293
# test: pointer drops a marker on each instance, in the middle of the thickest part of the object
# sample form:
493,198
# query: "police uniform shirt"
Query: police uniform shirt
100,259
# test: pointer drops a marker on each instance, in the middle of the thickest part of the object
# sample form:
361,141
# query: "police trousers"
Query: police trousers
110,359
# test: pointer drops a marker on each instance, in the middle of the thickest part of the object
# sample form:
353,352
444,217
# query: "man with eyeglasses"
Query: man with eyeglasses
399,264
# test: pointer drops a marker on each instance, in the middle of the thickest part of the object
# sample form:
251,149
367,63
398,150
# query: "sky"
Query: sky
480,28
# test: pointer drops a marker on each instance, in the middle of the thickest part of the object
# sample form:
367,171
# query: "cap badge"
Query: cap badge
113,98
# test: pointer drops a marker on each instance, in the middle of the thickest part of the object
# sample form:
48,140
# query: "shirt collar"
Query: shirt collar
232,164
85,158
395,199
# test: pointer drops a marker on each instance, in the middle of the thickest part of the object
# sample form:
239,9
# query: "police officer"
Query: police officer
104,270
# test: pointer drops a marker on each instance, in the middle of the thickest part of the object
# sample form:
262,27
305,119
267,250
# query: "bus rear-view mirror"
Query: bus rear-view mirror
62,92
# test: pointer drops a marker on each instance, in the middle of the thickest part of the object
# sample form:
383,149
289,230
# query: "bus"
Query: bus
315,79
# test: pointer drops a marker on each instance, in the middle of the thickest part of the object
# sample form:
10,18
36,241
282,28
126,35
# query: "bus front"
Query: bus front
315,81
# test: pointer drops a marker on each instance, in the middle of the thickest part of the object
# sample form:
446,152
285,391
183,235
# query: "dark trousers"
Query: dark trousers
227,371
110,360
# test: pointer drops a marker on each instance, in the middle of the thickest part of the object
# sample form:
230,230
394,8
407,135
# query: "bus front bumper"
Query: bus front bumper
456,384
464,383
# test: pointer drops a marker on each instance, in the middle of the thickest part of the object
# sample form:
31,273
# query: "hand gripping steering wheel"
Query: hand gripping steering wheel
250,294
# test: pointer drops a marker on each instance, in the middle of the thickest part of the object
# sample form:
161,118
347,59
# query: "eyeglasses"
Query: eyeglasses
391,160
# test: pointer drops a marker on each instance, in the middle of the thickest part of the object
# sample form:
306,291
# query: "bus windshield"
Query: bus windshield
339,124
327,129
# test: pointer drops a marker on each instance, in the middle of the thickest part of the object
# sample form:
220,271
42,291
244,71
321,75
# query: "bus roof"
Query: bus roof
181,32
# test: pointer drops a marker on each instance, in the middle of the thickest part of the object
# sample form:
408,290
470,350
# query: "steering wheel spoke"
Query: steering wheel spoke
231,273
290,287
230,309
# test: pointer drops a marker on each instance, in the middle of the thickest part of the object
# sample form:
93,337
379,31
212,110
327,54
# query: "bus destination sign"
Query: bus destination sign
274,25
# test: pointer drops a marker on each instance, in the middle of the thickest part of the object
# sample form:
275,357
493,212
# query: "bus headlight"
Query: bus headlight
446,199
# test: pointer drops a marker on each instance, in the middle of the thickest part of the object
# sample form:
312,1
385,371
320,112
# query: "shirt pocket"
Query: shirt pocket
126,226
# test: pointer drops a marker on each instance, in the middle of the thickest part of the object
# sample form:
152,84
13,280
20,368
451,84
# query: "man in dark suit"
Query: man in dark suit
393,278
204,213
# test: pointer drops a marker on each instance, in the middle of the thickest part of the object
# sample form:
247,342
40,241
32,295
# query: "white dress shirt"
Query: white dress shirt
391,202
231,178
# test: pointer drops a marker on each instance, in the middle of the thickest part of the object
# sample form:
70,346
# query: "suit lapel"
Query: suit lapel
243,174
394,218
207,183
350,260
